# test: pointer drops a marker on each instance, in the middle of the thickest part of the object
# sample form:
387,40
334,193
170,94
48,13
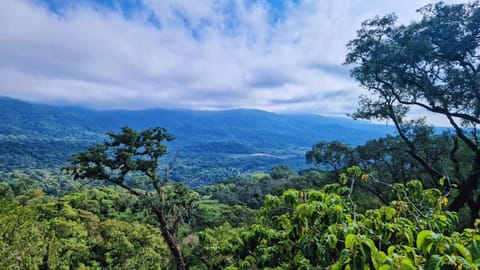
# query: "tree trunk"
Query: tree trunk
467,190
170,239
474,210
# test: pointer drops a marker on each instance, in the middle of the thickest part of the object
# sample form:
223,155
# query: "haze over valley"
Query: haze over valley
211,145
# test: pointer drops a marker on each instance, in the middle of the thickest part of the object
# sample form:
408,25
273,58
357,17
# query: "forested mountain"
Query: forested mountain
22,118
211,145
113,205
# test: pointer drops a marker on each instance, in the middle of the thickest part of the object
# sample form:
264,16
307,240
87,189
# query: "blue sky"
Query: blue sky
280,56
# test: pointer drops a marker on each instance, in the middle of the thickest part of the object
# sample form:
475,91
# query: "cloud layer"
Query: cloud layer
186,54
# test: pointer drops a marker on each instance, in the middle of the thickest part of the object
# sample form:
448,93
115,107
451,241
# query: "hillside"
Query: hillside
212,145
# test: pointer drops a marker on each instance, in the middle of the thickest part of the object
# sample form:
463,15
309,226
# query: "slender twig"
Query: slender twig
171,164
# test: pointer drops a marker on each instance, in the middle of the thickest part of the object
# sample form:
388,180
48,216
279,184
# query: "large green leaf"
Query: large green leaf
407,264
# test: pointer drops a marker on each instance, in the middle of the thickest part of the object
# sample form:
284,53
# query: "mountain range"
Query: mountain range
211,144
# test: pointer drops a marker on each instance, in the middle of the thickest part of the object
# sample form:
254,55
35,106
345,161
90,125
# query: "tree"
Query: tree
388,159
282,171
130,152
430,65
334,155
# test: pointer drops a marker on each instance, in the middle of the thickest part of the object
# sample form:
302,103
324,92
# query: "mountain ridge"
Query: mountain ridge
105,120
229,142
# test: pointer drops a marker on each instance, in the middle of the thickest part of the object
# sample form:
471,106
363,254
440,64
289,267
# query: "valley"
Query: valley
209,146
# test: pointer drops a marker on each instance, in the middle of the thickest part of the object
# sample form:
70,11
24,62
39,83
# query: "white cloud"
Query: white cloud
202,55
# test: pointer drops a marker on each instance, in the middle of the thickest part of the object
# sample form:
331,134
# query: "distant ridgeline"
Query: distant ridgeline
211,145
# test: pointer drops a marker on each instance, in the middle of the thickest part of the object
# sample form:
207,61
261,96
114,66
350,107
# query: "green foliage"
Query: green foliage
54,235
132,246
299,229
282,172
251,191
211,213
21,240
400,64
87,229
217,247
239,191
316,229
432,65
104,202
334,155
131,153
392,160
35,153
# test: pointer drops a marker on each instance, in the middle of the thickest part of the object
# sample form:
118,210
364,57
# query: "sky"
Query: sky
277,55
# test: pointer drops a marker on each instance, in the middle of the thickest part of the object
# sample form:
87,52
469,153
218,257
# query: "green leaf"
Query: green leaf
349,239
338,208
422,236
406,264
331,240
434,262
390,250
463,251
369,246
441,181
391,212
354,171
381,257
336,266
409,236
414,185
343,179
463,263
